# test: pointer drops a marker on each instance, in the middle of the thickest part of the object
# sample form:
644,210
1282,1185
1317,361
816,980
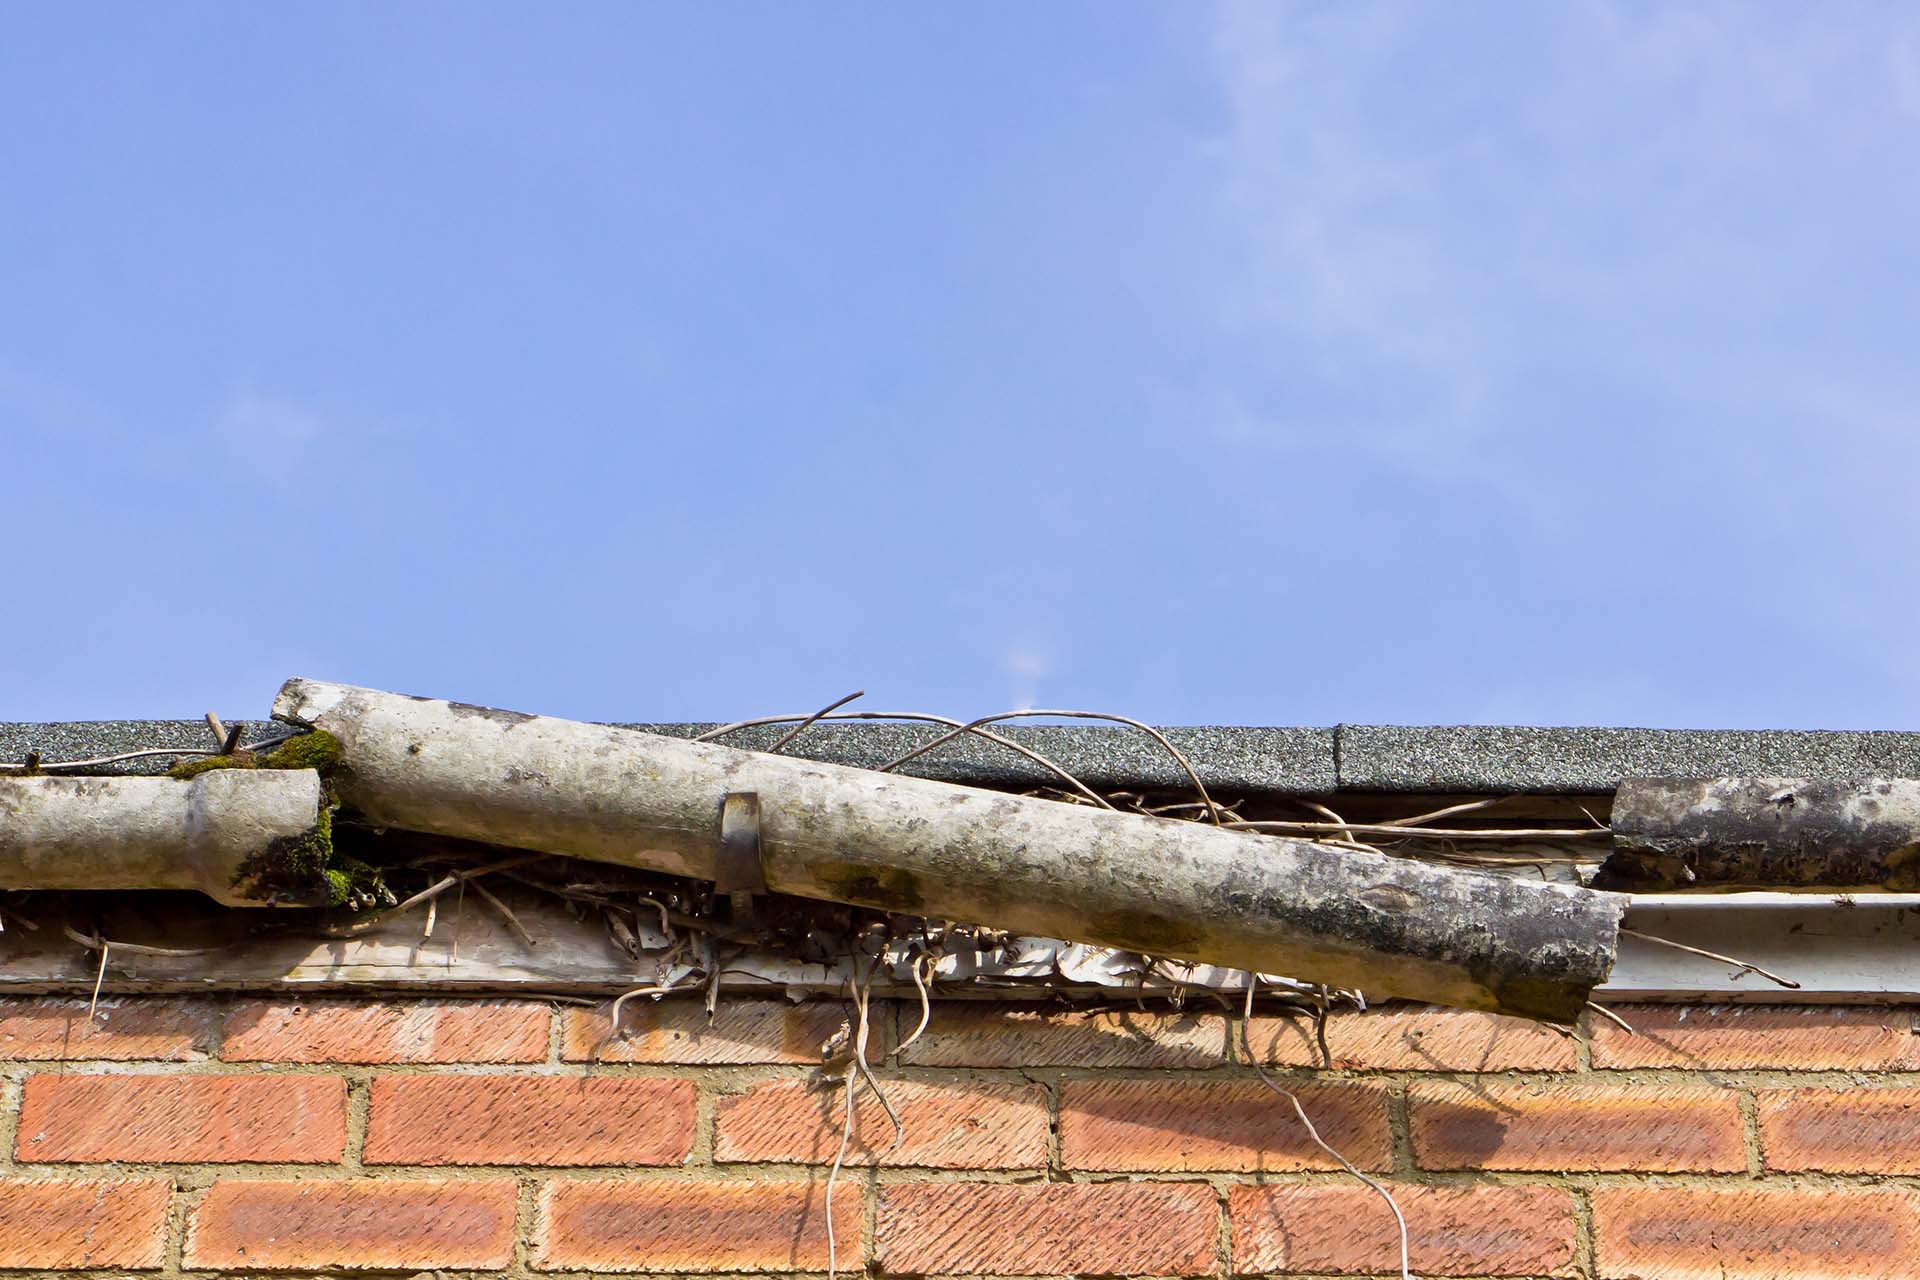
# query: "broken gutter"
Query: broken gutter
1228,902
1393,927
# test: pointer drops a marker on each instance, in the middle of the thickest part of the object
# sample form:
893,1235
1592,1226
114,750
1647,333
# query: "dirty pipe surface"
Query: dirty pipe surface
1388,926
153,833
1677,833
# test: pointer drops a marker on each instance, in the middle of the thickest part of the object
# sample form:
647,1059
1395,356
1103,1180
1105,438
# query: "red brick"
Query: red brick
697,1226
1177,1126
989,1035
1841,1130
742,1031
1731,1037
544,1120
1048,1228
185,1119
119,1223
948,1126
1451,1231
385,1224
1577,1125
123,1030
1497,1124
1418,1039
1816,1233
374,1031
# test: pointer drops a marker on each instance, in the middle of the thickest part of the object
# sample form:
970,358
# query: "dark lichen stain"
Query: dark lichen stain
872,886
1143,930
507,718
1542,999
318,750
1903,869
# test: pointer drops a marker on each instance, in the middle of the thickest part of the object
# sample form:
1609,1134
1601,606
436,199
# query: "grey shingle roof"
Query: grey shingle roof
1231,759
1492,758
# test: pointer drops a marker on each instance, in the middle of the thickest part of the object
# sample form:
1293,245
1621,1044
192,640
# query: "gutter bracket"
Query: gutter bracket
738,873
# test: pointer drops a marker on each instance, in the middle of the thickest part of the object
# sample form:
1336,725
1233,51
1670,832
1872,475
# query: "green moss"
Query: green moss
207,764
307,870
315,750
353,883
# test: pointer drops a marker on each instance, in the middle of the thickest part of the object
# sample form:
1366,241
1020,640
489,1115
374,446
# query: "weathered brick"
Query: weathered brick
1451,1231
1841,1130
1047,1228
384,1224
1417,1039
1731,1037
386,1031
1180,1126
184,1119
1816,1233
544,1120
742,1031
948,1126
697,1226
989,1035
1497,1124
118,1223
123,1030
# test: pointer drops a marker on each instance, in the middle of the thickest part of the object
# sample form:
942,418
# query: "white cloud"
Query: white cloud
1423,213
276,421
1025,666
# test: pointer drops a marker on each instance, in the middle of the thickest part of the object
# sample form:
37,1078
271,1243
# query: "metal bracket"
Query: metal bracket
737,872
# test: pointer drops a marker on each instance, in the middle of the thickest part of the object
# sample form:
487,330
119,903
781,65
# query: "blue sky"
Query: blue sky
1270,363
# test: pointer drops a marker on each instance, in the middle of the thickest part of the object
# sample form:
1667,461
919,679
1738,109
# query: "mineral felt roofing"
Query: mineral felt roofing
1303,761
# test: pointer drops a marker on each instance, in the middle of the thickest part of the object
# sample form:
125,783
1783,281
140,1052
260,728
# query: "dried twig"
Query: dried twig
857,1072
99,977
847,1088
666,916
620,1003
51,766
808,723
1742,966
1193,775
1449,833
95,942
861,995
1612,1017
926,1003
506,913
366,924
919,718
1469,806
1246,1042
1346,828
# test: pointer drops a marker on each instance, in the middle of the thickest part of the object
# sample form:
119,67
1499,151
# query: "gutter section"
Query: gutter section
1393,927
242,837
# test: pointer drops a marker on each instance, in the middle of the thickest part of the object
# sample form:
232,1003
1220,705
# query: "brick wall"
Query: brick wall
245,1136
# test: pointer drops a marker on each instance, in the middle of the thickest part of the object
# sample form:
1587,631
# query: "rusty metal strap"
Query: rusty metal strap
738,869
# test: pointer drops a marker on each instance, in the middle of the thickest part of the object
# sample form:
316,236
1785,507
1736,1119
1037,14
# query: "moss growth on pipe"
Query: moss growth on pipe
317,750
306,870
